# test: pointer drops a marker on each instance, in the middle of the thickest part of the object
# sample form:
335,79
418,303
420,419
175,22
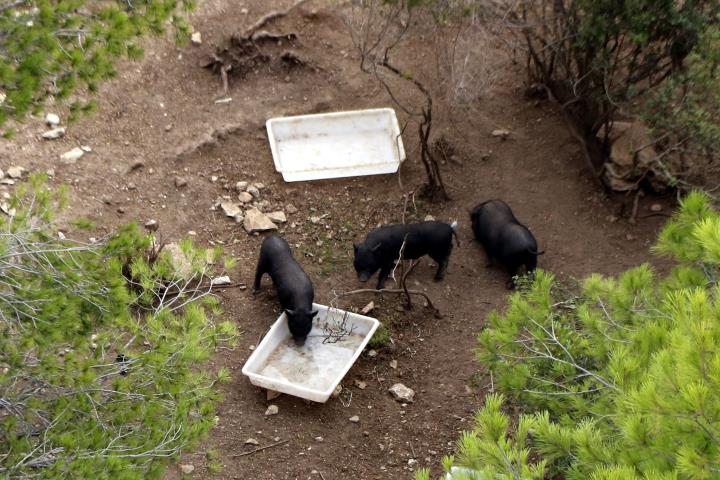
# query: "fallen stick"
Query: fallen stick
259,449
392,291
270,17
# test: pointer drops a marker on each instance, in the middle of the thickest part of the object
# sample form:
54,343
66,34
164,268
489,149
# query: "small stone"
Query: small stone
354,419
230,209
272,410
501,133
393,364
52,119
106,200
277,217
137,164
271,395
259,185
315,220
630,237
131,186
251,441
338,390
72,156
366,433
15,172
656,207
368,308
224,280
152,225
241,186
411,462
120,210
254,191
401,393
85,148
168,127
196,38
54,134
256,221
187,469
291,209
213,178
244,11
429,218
360,384
50,172
180,182
319,439
372,353
245,197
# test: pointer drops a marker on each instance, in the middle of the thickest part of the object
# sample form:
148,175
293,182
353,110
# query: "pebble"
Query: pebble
15,172
180,182
272,410
251,441
196,38
656,207
254,191
187,469
368,308
401,393
224,280
429,218
72,156
291,209
319,439
245,197
360,384
393,364
54,134
152,225
136,165
50,172
277,217
501,133
241,186
230,209
256,221
372,353
52,119
354,419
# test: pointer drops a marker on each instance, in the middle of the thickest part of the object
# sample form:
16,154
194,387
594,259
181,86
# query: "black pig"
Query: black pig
504,238
295,290
381,248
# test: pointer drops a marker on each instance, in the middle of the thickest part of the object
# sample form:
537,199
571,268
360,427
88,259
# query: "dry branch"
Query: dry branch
260,449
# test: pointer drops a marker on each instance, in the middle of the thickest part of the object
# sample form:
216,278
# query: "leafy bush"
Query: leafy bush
623,378
101,349
53,47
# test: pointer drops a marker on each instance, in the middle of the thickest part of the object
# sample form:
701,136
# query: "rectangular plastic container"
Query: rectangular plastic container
338,144
313,370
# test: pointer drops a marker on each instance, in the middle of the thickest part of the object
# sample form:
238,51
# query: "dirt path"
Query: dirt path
162,112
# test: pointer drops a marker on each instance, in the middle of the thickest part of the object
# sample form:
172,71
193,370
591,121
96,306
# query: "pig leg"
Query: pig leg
385,271
442,261
258,275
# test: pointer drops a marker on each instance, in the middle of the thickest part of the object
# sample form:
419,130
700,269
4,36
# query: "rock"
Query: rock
393,364
52,119
224,280
254,191
429,218
338,390
354,419
372,353
251,441
368,308
131,186
213,178
272,410
241,186
656,207
401,393
106,200
196,38
360,384
152,225
230,209
291,209
271,395
501,133
319,439
136,165
72,156
181,262
53,134
87,149
277,217
180,182
259,185
7,181
15,172
50,172
256,221
315,220
187,469
245,197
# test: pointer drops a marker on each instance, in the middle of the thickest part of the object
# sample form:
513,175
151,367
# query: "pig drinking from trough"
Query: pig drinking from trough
504,238
294,288
382,245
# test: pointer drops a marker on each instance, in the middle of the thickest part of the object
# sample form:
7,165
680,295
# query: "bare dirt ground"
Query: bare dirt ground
161,111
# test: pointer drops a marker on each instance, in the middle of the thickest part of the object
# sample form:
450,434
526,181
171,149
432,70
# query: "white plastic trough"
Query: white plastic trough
313,370
338,144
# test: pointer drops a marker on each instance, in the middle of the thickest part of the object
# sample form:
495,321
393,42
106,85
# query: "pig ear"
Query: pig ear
289,312
376,246
313,313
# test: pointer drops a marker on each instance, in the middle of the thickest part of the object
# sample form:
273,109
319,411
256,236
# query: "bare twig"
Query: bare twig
269,17
392,291
260,449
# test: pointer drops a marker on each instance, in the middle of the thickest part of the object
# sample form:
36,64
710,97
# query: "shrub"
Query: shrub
53,47
621,381
102,349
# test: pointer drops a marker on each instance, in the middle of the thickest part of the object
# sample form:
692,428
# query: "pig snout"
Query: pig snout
300,341
363,277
